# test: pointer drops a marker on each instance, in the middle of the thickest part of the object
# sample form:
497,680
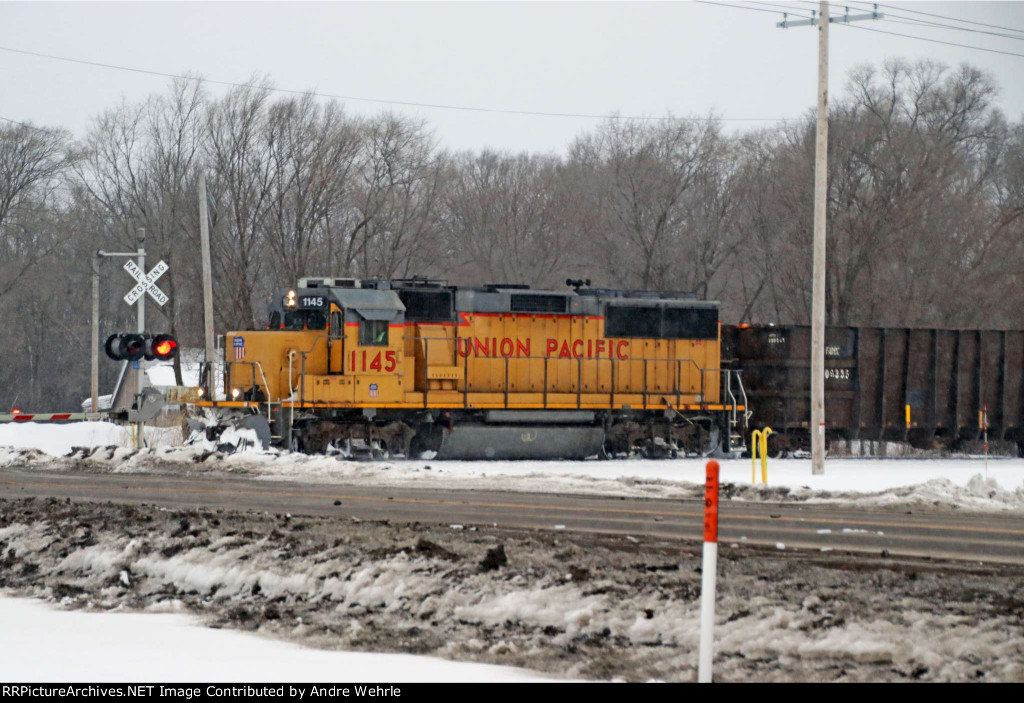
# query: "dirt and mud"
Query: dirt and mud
570,605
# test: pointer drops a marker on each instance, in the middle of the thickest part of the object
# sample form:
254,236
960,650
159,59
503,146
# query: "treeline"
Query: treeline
925,206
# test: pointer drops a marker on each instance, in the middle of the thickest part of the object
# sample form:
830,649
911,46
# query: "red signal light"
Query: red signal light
163,347
15,411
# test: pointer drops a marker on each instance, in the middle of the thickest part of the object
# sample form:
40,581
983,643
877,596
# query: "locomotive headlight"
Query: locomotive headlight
202,391
291,294
235,392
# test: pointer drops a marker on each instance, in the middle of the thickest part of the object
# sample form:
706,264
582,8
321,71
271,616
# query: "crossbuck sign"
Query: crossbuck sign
146,283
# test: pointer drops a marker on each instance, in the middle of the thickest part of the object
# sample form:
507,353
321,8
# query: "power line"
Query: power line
16,122
934,41
738,7
882,31
938,25
784,8
947,17
401,102
896,19
26,125
891,17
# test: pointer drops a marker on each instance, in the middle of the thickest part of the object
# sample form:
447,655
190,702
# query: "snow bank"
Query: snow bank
965,482
55,645
58,440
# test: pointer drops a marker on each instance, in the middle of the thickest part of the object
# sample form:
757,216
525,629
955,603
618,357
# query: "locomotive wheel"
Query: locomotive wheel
713,443
379,450
341,448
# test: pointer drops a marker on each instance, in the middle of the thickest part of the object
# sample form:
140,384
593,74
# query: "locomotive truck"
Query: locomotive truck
503,371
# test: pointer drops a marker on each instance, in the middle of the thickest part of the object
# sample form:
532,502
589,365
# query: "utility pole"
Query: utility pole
204,233
140,240
817,428
95,375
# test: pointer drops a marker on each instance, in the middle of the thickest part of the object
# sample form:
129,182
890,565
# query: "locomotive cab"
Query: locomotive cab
324,346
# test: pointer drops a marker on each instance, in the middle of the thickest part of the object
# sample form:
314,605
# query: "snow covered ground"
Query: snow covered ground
571,605
43,644
964,482
59,439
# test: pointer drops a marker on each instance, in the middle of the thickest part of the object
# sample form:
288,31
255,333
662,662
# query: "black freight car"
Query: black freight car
928,387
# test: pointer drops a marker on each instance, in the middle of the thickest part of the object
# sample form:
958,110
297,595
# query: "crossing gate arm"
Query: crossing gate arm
53,417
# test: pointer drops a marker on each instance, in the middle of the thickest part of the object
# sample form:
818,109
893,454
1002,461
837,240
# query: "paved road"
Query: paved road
943,535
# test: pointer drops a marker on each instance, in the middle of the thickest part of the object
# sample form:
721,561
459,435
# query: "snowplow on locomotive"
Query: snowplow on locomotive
503,371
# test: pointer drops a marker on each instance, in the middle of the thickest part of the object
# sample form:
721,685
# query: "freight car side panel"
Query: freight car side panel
777,376
946,344
873,374
1013,386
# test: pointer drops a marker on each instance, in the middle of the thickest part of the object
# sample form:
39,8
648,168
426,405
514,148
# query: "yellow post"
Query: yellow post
764,454
754,438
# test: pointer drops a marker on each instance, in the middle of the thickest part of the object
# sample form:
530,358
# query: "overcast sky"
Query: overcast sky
634,58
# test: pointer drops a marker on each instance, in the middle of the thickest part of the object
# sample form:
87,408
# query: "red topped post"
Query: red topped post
709,574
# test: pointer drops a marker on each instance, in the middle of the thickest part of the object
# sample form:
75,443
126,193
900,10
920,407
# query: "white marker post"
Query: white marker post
709,574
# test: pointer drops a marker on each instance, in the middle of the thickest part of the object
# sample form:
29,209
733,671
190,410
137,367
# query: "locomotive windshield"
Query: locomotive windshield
302,320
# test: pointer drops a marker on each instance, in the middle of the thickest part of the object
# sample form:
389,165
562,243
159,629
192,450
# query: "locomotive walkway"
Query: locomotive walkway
901,531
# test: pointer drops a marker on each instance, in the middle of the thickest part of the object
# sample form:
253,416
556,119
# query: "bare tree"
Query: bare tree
394,196
140,173
241,191
508,218
32,163
313,152
647,170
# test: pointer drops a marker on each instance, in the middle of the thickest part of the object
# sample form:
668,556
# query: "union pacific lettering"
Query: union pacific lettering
576,348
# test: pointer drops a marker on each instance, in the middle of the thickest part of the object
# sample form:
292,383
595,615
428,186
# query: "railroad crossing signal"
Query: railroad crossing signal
145,283
131,346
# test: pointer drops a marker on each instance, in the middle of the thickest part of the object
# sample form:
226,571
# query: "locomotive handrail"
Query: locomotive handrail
253,367
227,373
302,377
455,341
506,360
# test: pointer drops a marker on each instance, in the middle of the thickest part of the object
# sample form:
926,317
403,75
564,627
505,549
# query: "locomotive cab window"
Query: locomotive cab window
305,320
373,333
275,320
337,327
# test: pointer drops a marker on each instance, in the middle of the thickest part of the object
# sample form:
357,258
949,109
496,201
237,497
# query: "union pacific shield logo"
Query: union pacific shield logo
239,348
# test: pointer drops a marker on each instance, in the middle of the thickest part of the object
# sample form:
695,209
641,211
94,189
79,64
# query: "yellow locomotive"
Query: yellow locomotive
504,371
